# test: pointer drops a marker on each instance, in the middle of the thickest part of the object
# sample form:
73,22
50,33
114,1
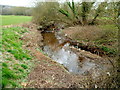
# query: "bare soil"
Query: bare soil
49,74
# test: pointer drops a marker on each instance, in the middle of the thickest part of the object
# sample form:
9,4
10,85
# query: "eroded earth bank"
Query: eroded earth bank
59,64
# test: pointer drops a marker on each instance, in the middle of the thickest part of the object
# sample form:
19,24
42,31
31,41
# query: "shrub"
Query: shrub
45,12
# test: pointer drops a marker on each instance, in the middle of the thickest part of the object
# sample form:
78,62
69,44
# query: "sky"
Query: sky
26,3
30,3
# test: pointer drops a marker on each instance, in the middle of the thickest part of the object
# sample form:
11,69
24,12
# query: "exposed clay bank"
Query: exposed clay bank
74,60
47,73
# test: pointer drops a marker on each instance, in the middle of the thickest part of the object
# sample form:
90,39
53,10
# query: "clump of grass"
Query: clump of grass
18,58
24,66
21,70
109,50
9,74
4,64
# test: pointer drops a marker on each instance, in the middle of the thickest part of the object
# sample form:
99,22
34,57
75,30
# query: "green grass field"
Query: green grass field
16,62
11,19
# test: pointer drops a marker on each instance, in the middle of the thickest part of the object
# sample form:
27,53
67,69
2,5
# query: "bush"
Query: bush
45,12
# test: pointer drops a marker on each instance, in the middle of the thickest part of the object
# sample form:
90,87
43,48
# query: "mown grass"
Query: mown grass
11,19
16,60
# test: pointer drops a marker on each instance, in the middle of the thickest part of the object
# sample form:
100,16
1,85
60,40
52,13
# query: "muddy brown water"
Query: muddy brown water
65,56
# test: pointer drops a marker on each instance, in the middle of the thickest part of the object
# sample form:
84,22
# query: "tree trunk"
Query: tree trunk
84,20
92,23
85,10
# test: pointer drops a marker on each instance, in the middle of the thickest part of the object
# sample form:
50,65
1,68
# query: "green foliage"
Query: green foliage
21,70
18,58
12,43
21,11
85,13
5,82
72,7
68,13
85,7
76,11
64,12
9,74
4,65
45,12
99,10
19,54
10,19
102,36
109,50
13,10
24,66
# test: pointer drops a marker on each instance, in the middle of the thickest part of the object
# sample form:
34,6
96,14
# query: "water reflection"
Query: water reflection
64,55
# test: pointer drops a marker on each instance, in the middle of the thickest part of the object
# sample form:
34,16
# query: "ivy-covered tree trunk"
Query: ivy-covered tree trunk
84,13
86,8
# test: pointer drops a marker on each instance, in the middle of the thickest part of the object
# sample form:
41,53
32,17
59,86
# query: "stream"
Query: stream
62,53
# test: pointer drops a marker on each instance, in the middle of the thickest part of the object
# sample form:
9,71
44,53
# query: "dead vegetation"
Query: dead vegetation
94,38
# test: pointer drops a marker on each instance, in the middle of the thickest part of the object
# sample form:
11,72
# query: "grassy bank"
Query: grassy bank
16,60
11,19
103,36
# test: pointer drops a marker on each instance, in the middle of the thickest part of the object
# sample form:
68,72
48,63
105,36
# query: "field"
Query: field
17,61
11,19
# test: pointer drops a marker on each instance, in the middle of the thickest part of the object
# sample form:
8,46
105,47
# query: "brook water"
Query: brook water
63,54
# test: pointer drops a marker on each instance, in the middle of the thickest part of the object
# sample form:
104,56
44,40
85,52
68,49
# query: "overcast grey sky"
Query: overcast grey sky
31,3
27,3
